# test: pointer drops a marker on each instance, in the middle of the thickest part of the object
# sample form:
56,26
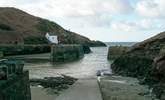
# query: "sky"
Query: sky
104,20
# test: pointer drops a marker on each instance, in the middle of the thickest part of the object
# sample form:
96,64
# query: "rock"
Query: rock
143,93
146,61
158,90
96,44
104,72
57,83
159,67
162,96
86,49
132,66
116,51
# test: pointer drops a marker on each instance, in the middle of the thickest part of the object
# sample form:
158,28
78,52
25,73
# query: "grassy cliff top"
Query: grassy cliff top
17,26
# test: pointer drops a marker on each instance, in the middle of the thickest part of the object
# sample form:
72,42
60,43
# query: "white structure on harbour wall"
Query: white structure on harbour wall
52,38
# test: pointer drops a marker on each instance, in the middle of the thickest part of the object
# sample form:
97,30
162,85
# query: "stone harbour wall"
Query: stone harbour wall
9,50
64,53
17,87
1,54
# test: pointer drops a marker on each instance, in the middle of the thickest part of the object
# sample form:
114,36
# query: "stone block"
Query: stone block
64,53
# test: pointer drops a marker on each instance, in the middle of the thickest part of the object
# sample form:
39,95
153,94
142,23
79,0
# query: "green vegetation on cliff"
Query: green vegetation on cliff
35,40
19,27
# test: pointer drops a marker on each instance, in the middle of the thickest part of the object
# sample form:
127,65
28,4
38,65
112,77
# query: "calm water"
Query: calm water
83,68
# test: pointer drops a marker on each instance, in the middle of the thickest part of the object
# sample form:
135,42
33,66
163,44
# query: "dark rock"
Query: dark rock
143,93
96,44
162,96
57,83
159,68
132,66
86,49
158,90
116,51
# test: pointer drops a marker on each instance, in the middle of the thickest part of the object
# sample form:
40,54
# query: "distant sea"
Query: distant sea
120,43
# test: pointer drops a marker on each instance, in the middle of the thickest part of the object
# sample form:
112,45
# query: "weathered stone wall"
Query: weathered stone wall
1,54
17,87
64,53
24,49
116,51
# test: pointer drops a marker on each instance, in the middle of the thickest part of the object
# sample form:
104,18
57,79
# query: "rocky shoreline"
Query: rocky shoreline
57,84
116,51
145,61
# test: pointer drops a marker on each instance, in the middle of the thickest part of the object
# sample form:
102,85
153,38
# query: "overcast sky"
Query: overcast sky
105,20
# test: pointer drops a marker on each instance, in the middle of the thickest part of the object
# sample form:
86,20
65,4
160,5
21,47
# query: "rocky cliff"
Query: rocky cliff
116,51
146,61
19,27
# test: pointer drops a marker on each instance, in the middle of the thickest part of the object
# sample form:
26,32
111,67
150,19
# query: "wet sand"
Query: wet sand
39,93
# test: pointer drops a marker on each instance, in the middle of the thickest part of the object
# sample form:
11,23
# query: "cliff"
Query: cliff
116,51
19,27
151,47
146,61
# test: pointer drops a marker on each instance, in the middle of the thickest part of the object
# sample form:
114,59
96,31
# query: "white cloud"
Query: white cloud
93,13
151,8
124,26
90,13
70,7
114,6
145,24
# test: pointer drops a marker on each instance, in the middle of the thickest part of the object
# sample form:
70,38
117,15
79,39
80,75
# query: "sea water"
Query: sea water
83,68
